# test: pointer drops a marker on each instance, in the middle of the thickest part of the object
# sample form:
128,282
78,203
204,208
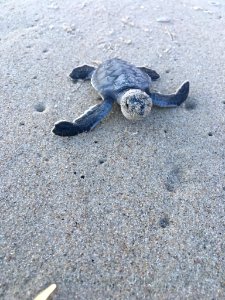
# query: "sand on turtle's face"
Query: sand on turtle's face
135,104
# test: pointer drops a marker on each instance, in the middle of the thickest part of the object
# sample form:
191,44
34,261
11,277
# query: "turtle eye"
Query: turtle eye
127,106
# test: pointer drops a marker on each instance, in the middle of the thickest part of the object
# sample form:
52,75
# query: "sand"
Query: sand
130,210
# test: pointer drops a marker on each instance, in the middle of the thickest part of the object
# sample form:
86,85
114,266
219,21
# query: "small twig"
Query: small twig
46,293
171,35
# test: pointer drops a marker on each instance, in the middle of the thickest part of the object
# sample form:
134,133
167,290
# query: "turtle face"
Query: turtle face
135,105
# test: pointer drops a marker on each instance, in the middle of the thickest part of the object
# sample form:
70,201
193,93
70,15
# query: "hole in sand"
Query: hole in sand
40,107
190,105
82,176
164,222
101,161
210,134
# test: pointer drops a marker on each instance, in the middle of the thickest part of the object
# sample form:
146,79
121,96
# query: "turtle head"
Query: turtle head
135,104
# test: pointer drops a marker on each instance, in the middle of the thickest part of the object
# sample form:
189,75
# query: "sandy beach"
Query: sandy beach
129,210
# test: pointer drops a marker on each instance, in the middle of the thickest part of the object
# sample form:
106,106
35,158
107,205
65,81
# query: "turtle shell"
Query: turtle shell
115,76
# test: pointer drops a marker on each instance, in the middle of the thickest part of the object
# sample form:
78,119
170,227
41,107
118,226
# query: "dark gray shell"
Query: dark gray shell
115,76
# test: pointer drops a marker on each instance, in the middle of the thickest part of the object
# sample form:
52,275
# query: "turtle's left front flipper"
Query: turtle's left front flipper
171,100
85,122
83,72
151,73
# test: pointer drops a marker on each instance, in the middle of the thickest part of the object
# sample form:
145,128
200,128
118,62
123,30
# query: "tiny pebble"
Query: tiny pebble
215,3
127,21
111,32
96,62
128,42
83,5
197,8
163,20
53,6
68,28
73,26
208,12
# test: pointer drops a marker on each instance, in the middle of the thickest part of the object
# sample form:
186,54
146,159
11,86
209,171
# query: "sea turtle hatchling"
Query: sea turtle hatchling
119,81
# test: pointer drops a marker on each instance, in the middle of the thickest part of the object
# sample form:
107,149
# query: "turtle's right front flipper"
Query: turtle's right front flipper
83,72
85,122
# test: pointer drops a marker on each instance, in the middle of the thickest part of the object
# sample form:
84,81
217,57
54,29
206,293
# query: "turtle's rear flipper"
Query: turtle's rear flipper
83,72
151,73
85,122
171,100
